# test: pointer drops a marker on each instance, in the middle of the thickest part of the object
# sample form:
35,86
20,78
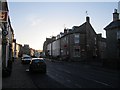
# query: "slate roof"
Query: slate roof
79,29
113,24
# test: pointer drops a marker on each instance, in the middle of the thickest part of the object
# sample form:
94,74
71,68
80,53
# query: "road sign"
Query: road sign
3,16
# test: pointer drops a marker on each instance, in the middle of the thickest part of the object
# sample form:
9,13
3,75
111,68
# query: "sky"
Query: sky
33,22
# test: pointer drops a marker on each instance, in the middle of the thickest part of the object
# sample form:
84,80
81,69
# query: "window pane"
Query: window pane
76,38
118,35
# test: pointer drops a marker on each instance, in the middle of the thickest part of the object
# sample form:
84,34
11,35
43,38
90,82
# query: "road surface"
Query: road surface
62,75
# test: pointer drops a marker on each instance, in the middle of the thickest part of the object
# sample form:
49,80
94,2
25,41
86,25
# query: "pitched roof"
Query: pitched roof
82,28
79,29
113,24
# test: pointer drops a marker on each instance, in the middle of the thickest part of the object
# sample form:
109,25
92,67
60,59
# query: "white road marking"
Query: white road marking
82,77
102,83
99,82
64,70
79,86
67,72
68,80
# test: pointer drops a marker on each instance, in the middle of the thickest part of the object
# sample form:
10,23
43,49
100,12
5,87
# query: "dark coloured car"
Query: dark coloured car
37,65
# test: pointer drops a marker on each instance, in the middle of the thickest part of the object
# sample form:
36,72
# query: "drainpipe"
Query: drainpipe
4,43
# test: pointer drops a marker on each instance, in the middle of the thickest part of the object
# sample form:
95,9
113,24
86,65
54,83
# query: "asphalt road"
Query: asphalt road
62,75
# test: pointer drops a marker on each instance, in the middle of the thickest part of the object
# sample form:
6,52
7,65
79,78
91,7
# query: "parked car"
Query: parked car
26,59
37,65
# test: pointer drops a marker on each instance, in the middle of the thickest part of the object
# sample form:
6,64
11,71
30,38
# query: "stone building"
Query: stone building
26,49
45,45
77,44
6,39
113,37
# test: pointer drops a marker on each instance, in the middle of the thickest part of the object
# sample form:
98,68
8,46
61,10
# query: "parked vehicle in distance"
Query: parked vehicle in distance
37,65
26,59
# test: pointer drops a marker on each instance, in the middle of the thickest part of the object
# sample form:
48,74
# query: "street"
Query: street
62,75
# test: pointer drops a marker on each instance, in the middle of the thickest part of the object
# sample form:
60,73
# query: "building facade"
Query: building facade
17,49
7,39
119,8
46,51
26,49
113,37
77,44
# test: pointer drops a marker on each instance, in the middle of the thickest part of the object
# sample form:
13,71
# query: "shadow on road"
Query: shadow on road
44,81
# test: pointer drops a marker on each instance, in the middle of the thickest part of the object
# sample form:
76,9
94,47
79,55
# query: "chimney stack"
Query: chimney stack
65,31
115,15
87,19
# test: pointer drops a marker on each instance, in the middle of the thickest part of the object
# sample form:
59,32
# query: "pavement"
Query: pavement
18,78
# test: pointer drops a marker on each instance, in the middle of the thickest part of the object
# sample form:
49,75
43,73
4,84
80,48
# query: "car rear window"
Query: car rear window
26,57
37,60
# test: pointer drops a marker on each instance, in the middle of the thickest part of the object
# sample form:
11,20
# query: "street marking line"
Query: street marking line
64,70
78,85
102,83
99,82
68,80
67,72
